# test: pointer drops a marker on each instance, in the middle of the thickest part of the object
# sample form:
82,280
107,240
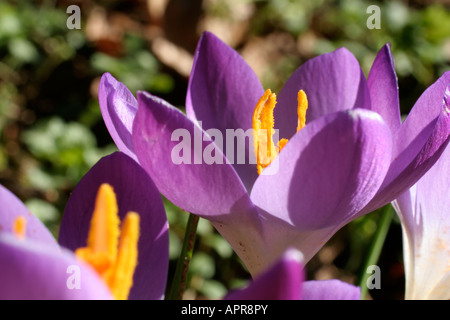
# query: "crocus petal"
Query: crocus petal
283,281
332,82
383,87
222,93
118,107
418,143
327,172
32,270
423,211
323,177
330,290
197,187
11,208
135,192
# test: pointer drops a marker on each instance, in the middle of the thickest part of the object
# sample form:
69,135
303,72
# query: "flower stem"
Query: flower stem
375,249
181,270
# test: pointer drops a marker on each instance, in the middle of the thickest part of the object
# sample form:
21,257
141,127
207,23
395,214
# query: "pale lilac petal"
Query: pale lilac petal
418,144
11,208
207,189
243,229
332,82
118,107
283,281
424,213
222,93
330,290
383,87
32,270
135,192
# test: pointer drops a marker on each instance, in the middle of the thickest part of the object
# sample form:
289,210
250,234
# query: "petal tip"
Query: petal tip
447,99
107,79
294,255
357,114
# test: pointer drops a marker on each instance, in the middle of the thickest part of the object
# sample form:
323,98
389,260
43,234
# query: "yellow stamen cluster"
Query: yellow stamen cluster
20,227
302,106
263,124
112,251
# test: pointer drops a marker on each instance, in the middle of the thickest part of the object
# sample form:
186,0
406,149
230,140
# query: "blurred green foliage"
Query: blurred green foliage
51,131
138,69
69,150
419,34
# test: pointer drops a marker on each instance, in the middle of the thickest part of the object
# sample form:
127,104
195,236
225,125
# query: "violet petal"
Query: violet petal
135,192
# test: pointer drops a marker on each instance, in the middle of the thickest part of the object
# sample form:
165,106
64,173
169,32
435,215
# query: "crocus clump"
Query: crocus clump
344,151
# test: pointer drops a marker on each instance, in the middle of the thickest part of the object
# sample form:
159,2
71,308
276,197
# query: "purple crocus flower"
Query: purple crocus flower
424,214
347,161
35,266
285,281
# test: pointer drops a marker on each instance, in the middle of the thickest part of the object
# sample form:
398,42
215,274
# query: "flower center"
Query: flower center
111,251
263,123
